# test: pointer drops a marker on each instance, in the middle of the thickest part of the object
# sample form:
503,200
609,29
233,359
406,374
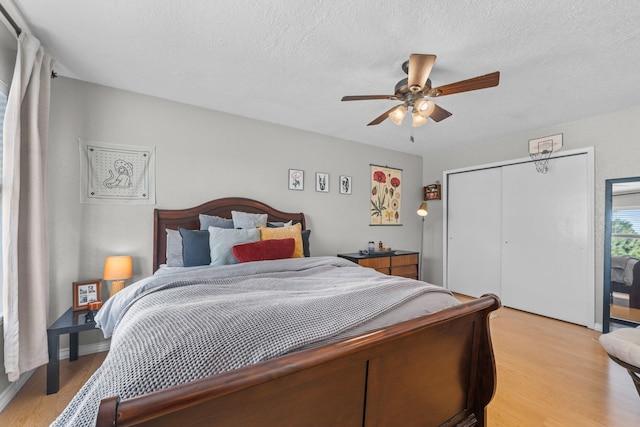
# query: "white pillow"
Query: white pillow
248,220
222,240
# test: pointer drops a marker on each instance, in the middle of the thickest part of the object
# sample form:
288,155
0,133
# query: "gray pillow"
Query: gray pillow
222,241
248,220
207,221
195,247
174,249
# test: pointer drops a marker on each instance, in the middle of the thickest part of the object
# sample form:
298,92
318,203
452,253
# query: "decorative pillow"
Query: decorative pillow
264,250
305,242
174,249
207,221
280,224
293,232
222,240
195,247
248,220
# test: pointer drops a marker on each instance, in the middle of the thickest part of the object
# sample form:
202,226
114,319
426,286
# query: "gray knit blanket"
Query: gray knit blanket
185,330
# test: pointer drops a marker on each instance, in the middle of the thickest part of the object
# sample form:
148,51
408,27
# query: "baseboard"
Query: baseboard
10,392
597,327
87,349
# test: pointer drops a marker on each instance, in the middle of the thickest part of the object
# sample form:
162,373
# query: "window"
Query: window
625,232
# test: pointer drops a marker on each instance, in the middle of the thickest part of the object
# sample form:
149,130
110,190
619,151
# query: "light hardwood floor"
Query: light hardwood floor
550,373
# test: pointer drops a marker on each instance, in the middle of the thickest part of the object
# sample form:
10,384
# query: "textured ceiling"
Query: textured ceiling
290,62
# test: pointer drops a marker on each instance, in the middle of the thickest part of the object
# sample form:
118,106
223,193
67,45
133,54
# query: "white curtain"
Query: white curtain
24,242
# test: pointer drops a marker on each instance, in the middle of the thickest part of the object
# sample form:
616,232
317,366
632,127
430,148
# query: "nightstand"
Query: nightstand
71,322
396,263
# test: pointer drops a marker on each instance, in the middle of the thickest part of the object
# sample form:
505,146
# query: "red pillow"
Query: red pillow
264,250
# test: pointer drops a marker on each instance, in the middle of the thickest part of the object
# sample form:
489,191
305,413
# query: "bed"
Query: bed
352,346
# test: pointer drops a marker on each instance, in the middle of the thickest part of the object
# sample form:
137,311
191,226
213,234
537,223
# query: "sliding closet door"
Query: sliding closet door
473,232
545,238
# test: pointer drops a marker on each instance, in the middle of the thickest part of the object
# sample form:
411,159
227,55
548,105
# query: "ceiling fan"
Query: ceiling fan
414,90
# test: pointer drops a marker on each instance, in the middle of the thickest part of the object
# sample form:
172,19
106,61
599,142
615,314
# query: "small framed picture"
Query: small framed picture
432,192
86,292
345,184
322,182
296,179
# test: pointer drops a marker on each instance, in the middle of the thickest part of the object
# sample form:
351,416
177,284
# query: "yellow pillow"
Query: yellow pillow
294,231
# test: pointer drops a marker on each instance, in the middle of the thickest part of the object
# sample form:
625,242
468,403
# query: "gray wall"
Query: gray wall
203,155
616,138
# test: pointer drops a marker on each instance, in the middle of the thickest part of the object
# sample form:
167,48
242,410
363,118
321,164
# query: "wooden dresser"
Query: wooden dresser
398,263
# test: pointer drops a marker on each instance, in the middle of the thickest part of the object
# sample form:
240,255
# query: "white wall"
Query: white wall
616,138
203,155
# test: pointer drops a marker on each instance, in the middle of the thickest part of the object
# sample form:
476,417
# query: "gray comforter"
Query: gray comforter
173,328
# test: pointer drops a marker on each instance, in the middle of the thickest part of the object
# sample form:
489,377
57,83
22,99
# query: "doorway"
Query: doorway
621,299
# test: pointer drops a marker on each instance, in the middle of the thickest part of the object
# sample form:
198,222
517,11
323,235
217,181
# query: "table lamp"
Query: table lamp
116,269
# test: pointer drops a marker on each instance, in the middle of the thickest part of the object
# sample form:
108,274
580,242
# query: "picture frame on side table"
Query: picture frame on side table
85,292
296,179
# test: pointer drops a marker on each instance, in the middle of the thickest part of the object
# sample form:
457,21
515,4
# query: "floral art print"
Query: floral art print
386,192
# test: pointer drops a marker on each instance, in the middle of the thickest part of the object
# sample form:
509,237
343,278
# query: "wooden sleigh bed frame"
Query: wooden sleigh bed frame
435,370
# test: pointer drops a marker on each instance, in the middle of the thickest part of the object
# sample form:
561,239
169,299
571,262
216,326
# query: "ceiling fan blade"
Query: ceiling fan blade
366,97
419,69
480,82
439,113
382,117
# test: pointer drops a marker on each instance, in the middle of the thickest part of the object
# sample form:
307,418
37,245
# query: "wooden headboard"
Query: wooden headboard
189,219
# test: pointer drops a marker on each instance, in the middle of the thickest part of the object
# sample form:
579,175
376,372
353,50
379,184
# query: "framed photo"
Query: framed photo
296,179
322,182
86,292
386,195
432,192
345,184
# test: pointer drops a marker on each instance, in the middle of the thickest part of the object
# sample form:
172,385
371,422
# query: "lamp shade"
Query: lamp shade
422,209
117,268
398,114
418,120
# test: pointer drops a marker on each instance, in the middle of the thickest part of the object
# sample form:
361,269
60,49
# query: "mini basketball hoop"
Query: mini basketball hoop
540,151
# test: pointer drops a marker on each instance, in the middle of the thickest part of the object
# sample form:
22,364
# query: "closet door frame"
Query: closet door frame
590,249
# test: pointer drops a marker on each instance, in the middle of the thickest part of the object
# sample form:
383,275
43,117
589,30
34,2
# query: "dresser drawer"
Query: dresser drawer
410,271
381,262
399,260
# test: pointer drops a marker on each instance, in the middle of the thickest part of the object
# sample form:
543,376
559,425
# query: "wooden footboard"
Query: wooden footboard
437,370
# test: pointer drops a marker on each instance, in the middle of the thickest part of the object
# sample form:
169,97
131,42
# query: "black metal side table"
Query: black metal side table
71,322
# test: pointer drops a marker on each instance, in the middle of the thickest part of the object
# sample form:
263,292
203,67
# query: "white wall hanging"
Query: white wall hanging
116,174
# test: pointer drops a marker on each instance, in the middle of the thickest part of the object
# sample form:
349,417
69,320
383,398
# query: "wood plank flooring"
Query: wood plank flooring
550,373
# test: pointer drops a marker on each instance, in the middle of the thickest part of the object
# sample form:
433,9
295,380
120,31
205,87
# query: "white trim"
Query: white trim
589,151
10,392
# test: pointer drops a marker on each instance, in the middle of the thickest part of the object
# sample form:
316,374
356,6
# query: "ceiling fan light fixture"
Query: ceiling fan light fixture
398,114
418,119
424,108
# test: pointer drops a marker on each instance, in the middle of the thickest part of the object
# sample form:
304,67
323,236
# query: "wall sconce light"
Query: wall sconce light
117,268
